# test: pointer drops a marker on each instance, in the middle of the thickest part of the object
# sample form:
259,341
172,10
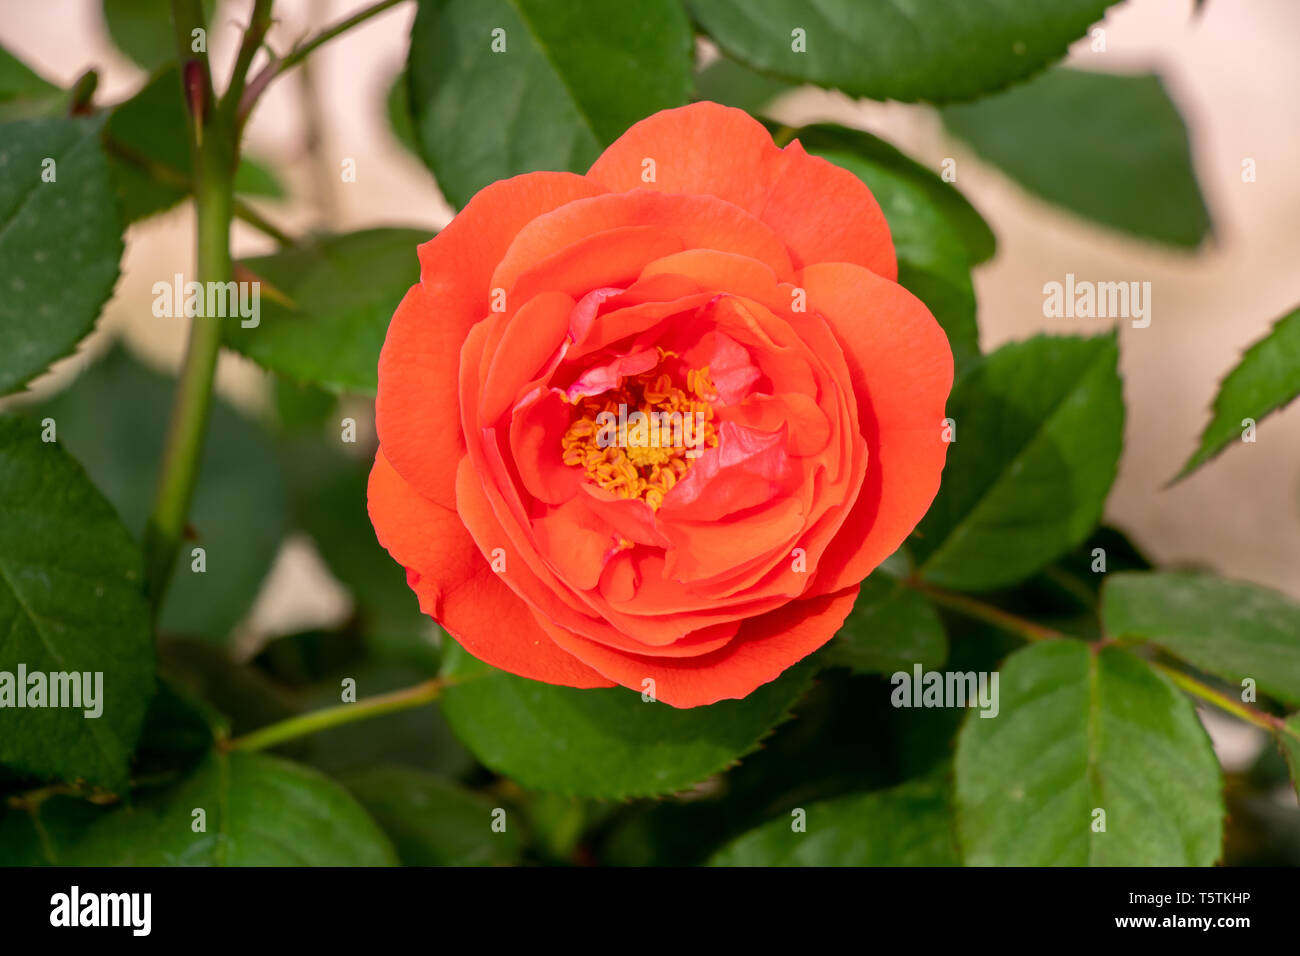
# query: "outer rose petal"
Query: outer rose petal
822,212
492,623
457,587
901,367
694,221
764,647
422,351
418,368
420,534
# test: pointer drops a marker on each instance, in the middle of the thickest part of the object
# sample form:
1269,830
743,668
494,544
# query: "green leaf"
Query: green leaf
23,93
302,409
909,825
253,178
150,156
573,76
341,293
1079,731
142,29
60,242
38,835
605,742
243,696
1110,148
114,418
974,232
1039,425
433,822
179,730
891,628
328,495
259,811
1231,629
1288,741
71,602
556,825
1266,378
397,106
1074,582
732,84
932,262
939,50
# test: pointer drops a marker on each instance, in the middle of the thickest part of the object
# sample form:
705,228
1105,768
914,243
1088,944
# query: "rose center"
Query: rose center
639,439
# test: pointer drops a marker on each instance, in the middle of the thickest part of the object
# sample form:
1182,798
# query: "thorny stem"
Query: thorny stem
258,24
299,53
246,213
214,133
213,149
169,175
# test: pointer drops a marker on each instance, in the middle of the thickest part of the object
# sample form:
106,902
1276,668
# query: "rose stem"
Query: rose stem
299,53
214,149
275,734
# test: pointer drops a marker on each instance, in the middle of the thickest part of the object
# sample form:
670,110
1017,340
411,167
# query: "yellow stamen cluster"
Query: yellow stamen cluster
643,456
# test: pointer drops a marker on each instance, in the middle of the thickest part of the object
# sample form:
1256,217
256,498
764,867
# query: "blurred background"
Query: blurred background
1232,70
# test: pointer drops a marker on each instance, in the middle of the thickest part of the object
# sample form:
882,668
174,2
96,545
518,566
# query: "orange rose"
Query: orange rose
741,299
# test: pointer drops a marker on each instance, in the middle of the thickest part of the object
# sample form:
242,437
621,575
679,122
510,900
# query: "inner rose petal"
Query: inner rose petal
639,424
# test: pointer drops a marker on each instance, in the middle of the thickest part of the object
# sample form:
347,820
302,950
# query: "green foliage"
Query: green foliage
1230,629
142,29
911,825
1082,731
501,87
70,604
876,154
257,811
114,419
60,242
433,822
941,50
892,627
732,84
37,835
327,493
24,94
1288,741
326,305
397,105
1039,428
1056,135
149,157
604,743
1266,378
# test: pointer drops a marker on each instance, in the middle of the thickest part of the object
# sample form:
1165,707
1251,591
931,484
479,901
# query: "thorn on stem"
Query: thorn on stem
194,75
83,91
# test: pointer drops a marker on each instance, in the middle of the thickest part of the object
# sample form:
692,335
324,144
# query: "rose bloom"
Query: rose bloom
695,270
